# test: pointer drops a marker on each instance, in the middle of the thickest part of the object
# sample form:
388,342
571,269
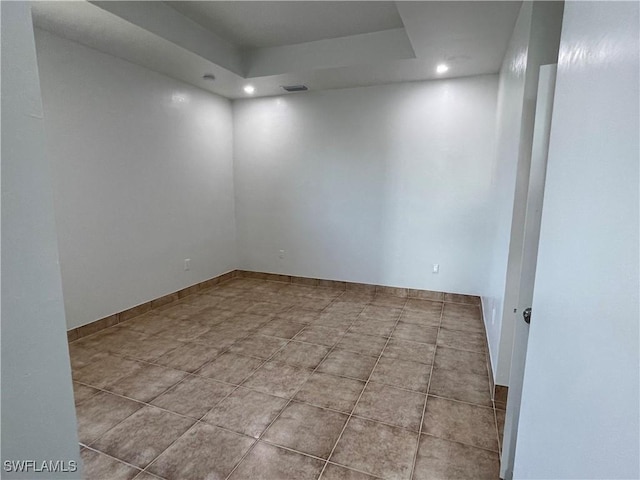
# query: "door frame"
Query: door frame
531,237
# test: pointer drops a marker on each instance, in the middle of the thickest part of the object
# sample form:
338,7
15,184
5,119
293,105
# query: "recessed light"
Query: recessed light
442,68
249,89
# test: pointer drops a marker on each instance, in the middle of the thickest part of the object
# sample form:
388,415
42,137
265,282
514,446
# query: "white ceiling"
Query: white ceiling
272,24
269,44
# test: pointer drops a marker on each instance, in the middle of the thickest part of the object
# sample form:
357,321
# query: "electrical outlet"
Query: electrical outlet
187,264
436,268
281,254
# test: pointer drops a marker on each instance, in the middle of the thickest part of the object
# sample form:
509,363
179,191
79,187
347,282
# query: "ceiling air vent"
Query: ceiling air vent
295,88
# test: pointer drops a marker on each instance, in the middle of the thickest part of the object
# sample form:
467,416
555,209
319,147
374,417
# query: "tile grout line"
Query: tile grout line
194,373
254,439
235,389
139,470
462,349
319,458
220,353
254,331
495,419
206,291
157,396
344,427
200,291
455,400
199,420
152,363
158,311
298,389
250,332
424,407
89,445
473,446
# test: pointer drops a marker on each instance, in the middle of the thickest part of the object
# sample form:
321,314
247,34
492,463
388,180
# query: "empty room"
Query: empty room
291,240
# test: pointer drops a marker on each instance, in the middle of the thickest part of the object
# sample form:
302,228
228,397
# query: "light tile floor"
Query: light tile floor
256,379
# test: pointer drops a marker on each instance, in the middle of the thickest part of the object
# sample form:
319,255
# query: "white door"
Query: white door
540,148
